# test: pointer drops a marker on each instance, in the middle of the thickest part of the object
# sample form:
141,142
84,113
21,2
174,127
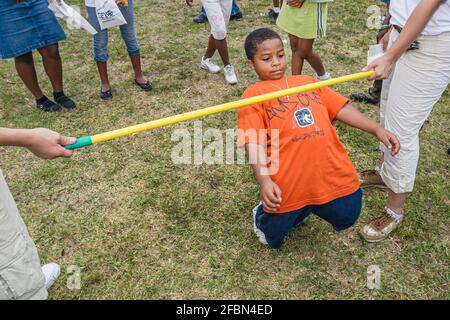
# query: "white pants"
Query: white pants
218,13
21,275
416,84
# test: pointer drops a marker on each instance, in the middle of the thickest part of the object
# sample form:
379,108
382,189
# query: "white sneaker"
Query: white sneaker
210,66
326,76
259,234
230,75
51,272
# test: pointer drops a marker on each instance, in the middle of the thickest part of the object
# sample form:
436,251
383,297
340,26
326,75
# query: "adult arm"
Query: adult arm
415,24
44,143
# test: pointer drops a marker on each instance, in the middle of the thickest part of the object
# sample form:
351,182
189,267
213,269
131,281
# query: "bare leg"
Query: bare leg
277,3
211,48
103,72
303,50
219,45
53,66
136,62
297,60
396,201
27,72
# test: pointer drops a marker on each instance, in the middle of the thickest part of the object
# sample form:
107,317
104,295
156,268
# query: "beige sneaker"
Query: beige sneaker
371,178
379,228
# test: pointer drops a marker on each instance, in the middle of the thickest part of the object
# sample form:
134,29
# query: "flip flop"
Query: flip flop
144,86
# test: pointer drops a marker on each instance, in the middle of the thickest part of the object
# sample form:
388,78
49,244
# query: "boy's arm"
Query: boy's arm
351,116
44,143
270,192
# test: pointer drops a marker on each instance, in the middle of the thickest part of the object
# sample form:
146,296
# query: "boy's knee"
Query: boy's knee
275,244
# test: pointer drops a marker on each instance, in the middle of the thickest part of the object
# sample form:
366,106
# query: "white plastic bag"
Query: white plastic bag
108,14
375,52
73,18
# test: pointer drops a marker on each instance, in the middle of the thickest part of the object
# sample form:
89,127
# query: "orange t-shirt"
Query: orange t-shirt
313,166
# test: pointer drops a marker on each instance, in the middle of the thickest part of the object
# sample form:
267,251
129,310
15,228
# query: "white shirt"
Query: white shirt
90,3
401,10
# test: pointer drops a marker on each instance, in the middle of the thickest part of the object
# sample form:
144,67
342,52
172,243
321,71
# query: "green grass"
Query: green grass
142,227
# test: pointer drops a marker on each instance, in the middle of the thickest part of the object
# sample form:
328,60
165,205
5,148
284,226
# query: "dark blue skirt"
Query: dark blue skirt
26,26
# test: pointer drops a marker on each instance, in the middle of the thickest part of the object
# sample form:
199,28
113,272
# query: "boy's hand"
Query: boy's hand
270,194
190,3
389,140
48,144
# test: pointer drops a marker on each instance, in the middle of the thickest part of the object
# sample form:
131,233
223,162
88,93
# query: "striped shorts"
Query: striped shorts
307,22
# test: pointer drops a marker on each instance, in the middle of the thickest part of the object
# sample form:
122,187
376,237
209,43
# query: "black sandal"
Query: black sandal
361,97
144,86
106,95
48,106
63,100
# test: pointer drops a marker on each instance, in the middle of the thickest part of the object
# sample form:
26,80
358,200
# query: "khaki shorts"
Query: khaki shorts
416,84
21,275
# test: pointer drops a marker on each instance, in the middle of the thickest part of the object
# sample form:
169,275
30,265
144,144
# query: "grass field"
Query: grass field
141,227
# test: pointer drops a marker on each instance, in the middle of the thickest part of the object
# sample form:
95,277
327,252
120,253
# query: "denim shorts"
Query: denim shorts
25,26
100,42
341,213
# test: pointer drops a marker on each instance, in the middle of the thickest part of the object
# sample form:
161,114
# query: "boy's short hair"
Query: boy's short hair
257,37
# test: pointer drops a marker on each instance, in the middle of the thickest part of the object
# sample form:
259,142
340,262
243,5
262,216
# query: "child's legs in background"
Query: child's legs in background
129,37
343,212
100,45
218,13
235,8
302,49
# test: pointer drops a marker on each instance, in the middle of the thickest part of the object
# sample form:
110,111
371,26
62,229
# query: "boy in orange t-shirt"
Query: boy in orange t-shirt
299,162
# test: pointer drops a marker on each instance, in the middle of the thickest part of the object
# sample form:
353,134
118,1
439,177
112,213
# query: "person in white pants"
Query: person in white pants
218,13
21,274
417,68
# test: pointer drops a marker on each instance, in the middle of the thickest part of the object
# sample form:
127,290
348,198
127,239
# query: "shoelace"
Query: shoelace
380,222
229,70
385,219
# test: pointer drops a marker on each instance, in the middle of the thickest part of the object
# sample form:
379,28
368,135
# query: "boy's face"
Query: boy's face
269,61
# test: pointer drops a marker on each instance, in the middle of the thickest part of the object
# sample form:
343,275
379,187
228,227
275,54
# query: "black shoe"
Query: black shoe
200,19
106,95
361,97
273,15
237,16
144,86
63,100
47,105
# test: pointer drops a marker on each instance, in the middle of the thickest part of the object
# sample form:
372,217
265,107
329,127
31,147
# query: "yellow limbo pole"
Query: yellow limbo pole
89,140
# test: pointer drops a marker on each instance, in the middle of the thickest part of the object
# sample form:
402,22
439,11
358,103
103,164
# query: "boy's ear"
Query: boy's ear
251,64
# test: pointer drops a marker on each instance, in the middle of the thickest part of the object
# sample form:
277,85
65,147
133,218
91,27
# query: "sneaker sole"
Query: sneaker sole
205,68
371,240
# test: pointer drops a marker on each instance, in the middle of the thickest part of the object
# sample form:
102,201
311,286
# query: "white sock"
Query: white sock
397,217
276,9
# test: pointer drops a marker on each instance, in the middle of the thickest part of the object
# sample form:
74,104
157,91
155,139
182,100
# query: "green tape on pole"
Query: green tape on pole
81,143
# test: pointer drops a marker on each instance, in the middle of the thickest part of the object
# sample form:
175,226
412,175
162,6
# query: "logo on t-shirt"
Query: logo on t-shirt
304,117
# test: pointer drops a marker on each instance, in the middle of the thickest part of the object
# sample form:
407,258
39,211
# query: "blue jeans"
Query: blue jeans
100,42
341,213
234,10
